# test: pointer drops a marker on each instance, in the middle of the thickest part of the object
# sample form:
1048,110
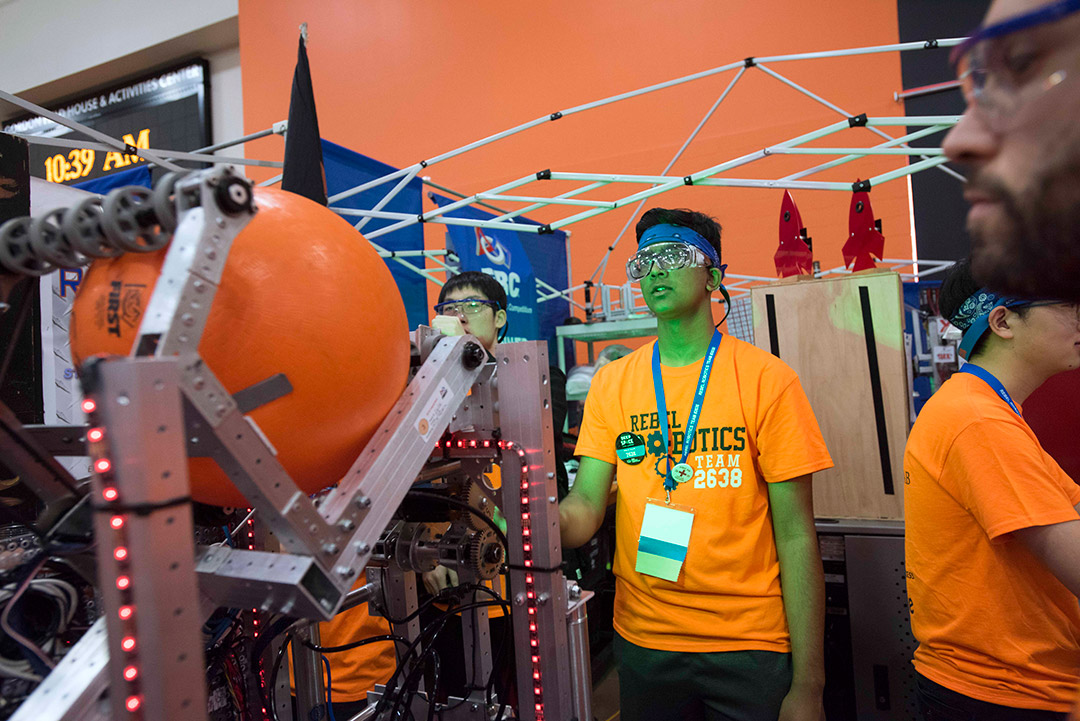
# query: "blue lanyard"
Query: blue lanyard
993,382
695,409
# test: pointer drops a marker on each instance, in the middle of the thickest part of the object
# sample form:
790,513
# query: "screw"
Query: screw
198,383
330,548
553,499
550,476
199,286
220,222
211,253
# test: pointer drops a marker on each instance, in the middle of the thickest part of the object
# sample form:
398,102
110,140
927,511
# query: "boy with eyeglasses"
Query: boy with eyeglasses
992,521
719,603
1020,141
479,302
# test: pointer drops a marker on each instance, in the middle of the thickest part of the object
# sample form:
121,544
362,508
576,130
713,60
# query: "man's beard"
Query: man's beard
1035,253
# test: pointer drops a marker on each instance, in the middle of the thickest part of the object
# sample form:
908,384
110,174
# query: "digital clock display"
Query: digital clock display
167,110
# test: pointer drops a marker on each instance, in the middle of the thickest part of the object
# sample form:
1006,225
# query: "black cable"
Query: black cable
274,630
356,644
273,677
433,631
462,505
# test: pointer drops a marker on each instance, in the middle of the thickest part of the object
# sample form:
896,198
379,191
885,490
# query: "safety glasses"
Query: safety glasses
666,256
998,65
465,306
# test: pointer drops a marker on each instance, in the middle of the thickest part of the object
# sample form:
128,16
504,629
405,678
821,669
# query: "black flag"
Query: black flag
303,173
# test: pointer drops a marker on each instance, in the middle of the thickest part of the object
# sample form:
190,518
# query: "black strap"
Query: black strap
875,389
770,312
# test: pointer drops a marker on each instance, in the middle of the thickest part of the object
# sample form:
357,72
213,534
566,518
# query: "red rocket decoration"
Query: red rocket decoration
795,255
865,241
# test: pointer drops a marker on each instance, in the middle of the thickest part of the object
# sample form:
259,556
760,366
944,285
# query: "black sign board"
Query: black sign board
168,110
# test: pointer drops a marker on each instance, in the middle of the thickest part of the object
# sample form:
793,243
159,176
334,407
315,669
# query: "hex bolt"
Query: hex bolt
198,383
330,548
346,525
362,548
543,598
575,592
553,499
363,502
519,599
345,572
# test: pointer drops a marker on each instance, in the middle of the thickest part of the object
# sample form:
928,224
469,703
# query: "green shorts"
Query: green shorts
722,686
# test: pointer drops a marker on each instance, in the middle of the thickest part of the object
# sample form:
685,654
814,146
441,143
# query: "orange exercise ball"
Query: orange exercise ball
302,294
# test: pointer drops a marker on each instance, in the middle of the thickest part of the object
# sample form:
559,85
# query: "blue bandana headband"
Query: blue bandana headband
973,316
665,233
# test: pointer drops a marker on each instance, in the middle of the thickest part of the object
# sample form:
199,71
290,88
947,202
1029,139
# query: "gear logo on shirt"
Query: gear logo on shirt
656,443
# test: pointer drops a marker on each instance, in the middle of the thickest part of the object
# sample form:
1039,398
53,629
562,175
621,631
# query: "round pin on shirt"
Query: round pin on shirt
682,472
630,448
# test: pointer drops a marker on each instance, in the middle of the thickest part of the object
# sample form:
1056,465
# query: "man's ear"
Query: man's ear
715,279
500,318
998,320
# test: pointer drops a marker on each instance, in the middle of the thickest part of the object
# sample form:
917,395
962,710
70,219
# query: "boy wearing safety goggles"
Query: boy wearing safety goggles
713,443
992,521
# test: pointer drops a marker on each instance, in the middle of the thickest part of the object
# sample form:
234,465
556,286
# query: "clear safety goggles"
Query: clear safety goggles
465,307
999,66
666,256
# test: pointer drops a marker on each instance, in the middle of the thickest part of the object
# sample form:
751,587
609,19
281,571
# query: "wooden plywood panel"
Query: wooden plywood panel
819,328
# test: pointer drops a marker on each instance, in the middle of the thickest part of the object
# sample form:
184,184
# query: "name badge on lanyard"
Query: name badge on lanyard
664,539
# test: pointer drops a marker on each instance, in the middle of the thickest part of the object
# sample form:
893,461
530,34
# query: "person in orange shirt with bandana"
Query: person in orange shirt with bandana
719,602
992,521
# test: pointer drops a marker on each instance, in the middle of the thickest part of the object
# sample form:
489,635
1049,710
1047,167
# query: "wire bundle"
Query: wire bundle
38,658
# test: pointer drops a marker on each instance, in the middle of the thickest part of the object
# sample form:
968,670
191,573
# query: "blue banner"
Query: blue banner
517,261
345,170
102,185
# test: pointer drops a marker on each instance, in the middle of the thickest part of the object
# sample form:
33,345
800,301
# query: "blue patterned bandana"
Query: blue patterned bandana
973,316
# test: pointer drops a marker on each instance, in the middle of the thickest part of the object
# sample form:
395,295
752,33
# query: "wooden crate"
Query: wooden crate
858,389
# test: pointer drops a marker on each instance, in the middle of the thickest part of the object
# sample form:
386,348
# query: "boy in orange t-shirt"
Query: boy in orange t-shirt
992,522
713,442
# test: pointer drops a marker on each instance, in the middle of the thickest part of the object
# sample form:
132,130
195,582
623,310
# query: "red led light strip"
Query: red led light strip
531,600
110,496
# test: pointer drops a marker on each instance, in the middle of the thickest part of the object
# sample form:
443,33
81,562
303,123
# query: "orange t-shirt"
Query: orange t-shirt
992,622
756,427
356,671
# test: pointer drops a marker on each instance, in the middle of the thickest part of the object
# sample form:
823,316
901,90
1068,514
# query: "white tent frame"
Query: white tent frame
587,208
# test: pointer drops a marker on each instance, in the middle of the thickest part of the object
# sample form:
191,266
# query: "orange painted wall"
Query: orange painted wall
403,80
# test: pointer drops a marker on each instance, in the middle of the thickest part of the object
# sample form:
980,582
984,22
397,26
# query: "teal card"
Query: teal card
665,536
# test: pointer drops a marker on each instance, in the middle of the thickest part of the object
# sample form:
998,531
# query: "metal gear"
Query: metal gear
471,493
485,554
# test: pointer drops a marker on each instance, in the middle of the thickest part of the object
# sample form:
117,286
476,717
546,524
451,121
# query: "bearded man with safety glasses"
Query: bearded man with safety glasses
713,443
1020,139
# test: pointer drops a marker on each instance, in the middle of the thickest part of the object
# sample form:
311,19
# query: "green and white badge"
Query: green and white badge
630,448
665,536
